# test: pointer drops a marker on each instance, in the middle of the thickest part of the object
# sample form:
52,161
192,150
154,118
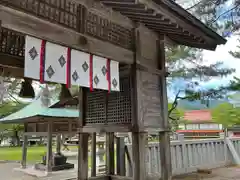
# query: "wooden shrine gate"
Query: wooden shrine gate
133,33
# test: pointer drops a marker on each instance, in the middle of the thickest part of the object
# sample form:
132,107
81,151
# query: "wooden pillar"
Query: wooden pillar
164,138
82,139
49,157
110,153
138,137
138,154
58,144
93,155
83,156
24,151
121,169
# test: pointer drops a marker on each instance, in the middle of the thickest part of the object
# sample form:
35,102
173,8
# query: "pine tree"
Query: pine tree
225,21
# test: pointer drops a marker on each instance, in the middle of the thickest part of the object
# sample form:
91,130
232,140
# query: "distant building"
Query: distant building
199,124
234,131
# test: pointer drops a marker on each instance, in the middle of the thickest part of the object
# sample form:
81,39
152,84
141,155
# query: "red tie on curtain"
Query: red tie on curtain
68,70
42,61
91,72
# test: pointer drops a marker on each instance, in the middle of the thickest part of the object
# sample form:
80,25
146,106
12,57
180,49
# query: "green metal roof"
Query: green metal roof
37,109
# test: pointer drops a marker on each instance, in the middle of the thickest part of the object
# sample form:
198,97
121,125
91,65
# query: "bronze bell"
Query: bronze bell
65,93
27,90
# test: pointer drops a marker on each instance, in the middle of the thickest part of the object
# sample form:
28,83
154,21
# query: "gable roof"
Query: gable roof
168,18
36,108
198,116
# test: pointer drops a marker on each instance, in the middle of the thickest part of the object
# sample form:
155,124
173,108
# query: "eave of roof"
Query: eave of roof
192,19
168,18
35,109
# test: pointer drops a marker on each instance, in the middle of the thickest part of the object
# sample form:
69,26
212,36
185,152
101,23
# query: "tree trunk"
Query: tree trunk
16,137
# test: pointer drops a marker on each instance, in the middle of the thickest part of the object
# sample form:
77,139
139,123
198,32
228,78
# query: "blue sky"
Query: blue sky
222,54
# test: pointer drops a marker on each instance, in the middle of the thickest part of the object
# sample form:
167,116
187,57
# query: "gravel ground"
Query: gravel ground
227,173
8,171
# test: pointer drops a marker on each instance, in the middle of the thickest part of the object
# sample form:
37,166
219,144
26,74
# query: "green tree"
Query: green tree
235,84
226,114
174,117
11,129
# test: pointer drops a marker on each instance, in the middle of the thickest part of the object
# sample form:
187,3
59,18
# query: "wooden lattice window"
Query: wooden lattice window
119,109
110,108
12,42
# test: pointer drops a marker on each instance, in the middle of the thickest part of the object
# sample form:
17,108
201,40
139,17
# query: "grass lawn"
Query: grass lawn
34,153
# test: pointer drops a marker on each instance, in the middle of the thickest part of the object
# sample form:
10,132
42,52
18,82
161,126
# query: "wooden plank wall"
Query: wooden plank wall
150,107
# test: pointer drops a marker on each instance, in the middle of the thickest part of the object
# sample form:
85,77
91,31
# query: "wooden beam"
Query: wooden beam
166,28
121,178
184,37
173,18
170,31
13,72
119,3
139,14
192,44
144,67
35,133
155,21
27,24
139,17
107,128
130,9
169,42
10,61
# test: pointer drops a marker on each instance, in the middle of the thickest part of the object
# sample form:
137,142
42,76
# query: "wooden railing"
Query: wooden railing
188,156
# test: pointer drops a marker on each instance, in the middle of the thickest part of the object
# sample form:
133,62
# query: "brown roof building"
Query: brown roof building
199,124
198,116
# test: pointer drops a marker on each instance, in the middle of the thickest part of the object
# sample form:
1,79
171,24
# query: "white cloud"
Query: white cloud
222,54
209,57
